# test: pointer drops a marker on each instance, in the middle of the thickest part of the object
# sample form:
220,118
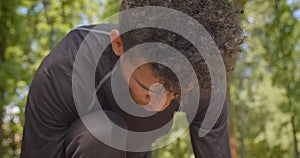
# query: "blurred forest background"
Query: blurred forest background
264,120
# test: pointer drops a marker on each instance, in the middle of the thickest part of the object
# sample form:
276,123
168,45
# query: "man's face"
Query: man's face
146,90
144,87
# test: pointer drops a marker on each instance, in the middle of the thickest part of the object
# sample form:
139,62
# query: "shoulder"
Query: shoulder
94,37
100,29
76,36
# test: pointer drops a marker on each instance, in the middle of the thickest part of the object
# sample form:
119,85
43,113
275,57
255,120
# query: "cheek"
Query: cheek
167,103
135,88
134,92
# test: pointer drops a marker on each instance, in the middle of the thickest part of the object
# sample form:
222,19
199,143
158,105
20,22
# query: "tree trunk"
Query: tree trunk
232,137
3,46
52,37
295,136
230,61
242,131
2,91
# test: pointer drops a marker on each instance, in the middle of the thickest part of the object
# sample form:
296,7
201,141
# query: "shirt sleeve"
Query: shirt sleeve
216,143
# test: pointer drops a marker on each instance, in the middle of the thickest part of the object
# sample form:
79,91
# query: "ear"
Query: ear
116,42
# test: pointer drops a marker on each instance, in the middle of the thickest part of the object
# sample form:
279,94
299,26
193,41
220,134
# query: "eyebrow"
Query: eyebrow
143,86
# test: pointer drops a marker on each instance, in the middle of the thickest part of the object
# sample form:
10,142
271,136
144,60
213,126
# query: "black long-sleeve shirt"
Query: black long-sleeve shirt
50,107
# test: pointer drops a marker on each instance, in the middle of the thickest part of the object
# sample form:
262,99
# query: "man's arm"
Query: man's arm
216,143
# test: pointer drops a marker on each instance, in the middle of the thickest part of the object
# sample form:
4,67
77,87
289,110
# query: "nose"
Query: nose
156,102
146,99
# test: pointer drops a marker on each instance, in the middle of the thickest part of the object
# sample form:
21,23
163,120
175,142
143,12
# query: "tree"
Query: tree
285,50
10,72
28,30
270,58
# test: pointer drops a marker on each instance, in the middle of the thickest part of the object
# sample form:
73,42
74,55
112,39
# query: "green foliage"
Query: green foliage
266,86
111,7
28,30
265,90
181,147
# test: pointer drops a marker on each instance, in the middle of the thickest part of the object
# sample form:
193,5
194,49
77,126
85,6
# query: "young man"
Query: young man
53,127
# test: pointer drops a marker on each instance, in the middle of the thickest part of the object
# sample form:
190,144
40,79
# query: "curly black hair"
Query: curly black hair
218,17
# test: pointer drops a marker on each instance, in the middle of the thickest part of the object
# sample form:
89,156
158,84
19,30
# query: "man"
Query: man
54,128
